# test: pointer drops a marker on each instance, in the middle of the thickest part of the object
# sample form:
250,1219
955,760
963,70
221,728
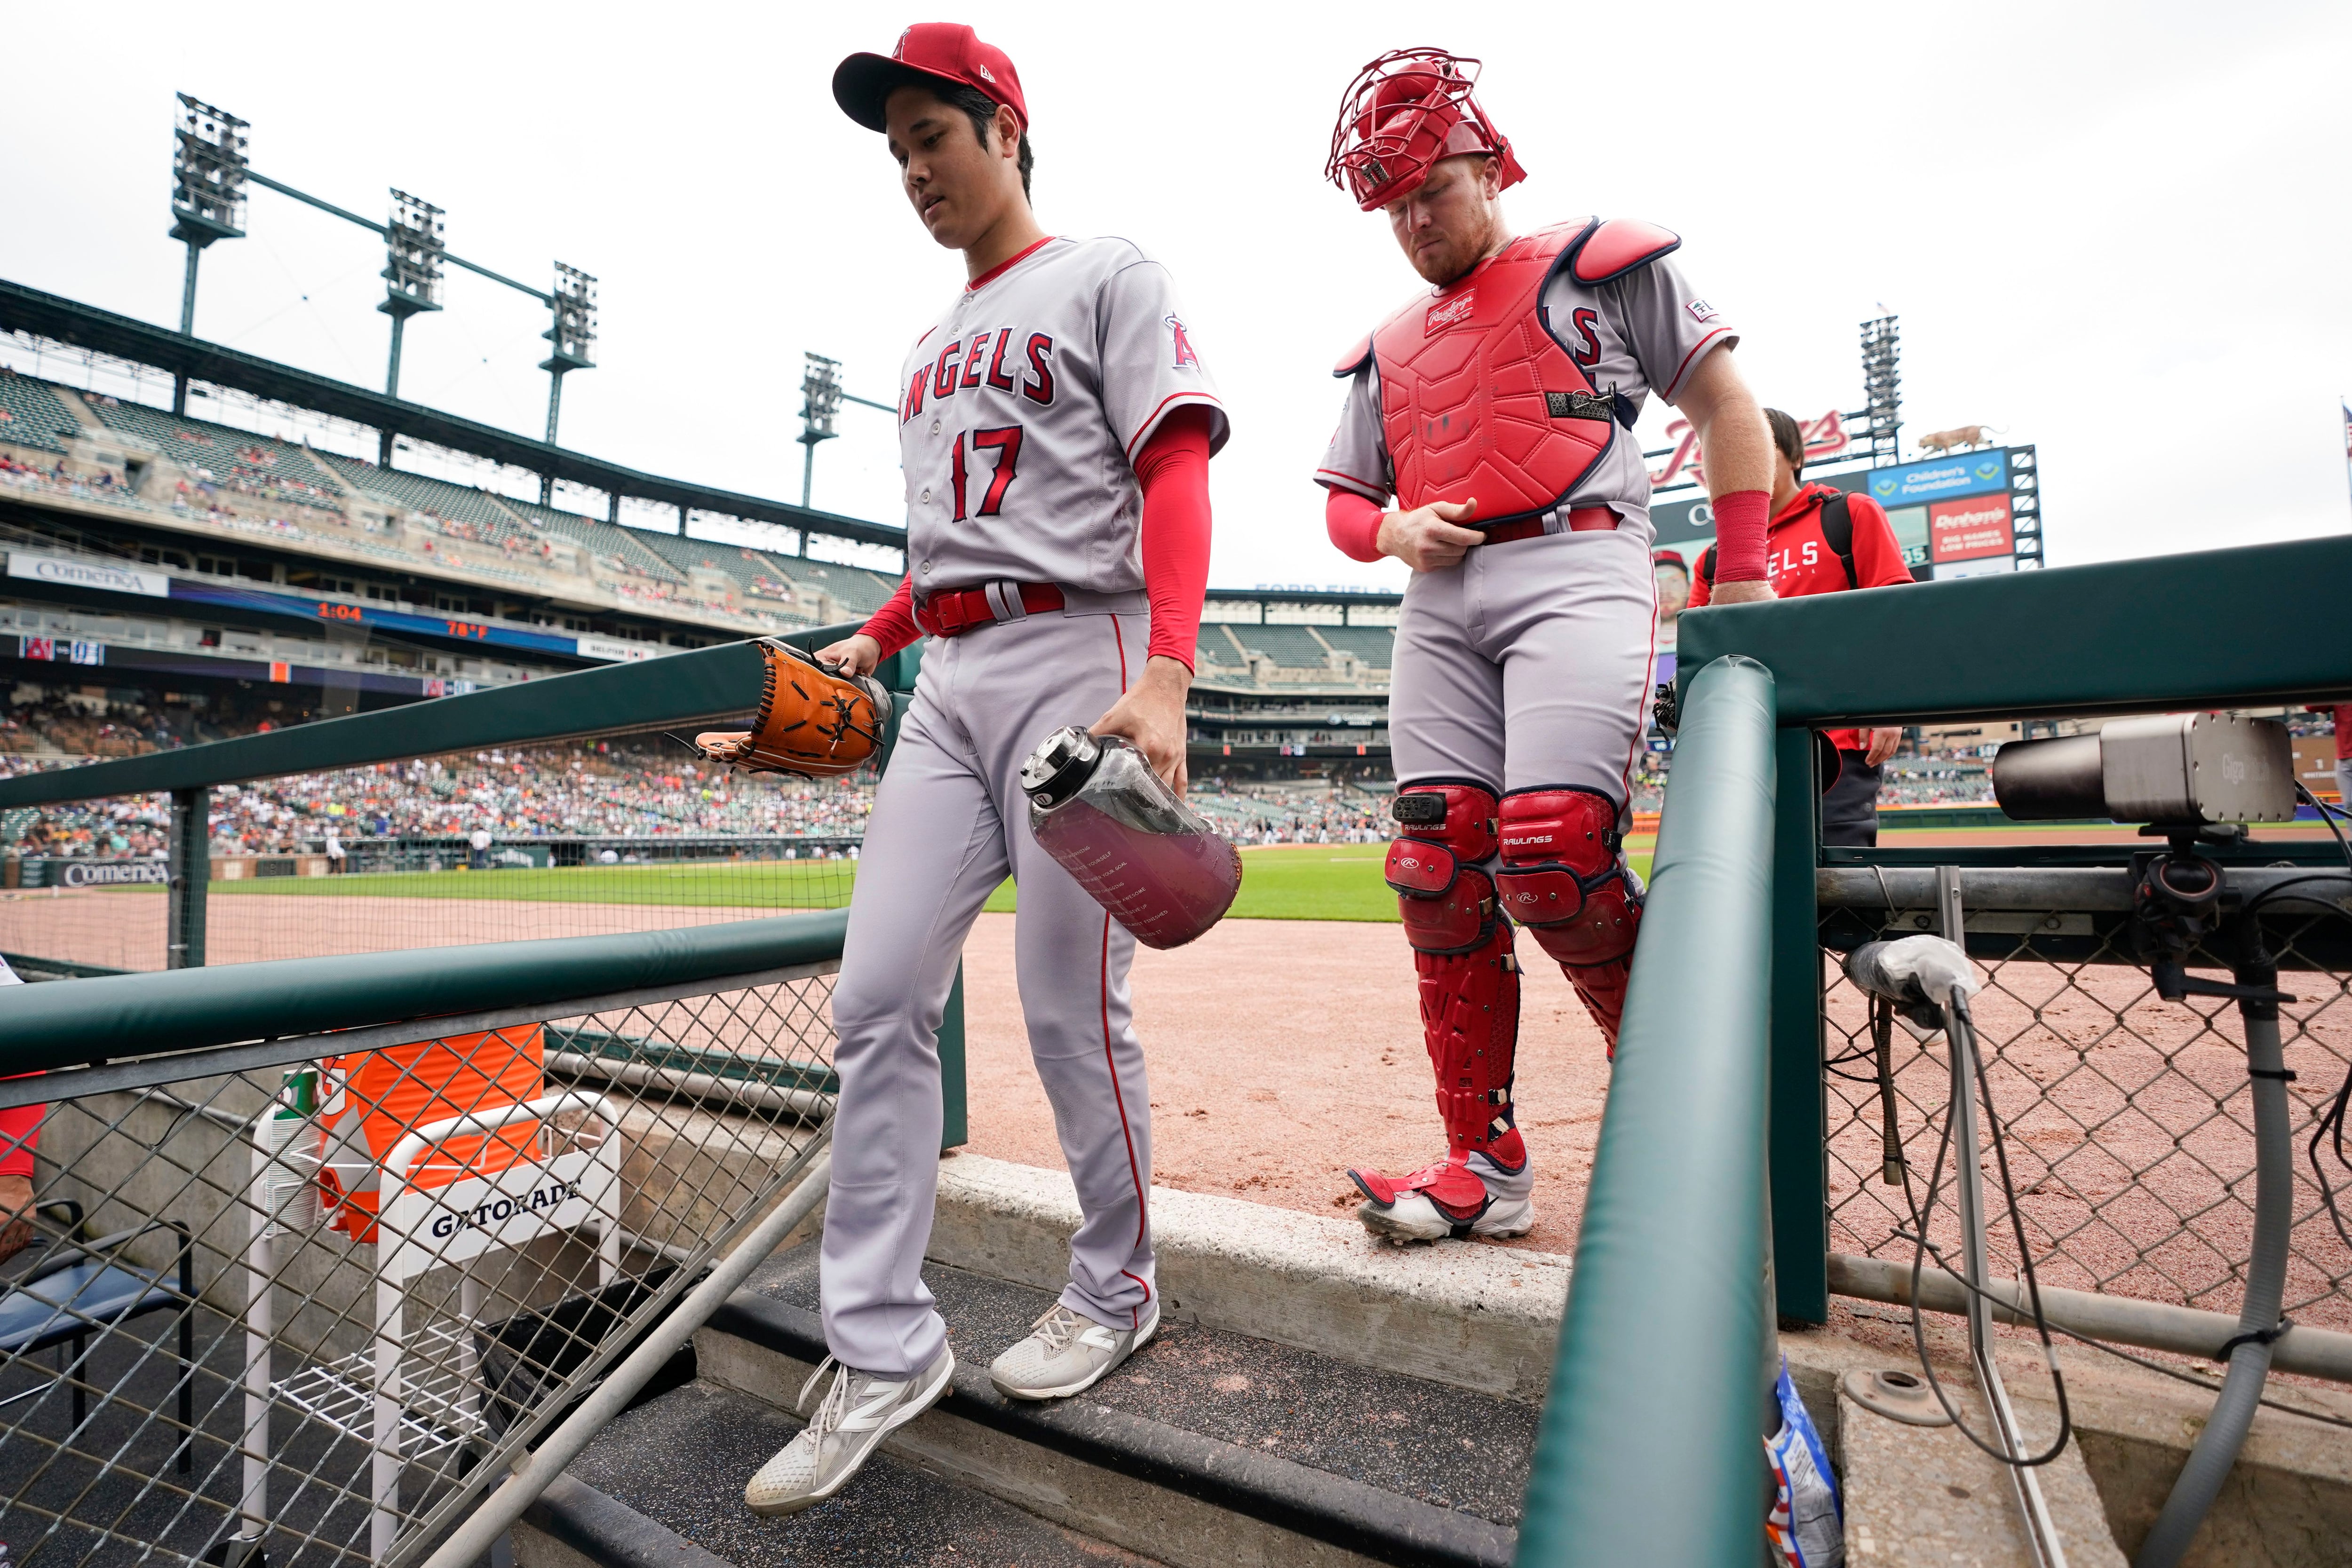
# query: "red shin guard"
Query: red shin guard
1469,984
1563,878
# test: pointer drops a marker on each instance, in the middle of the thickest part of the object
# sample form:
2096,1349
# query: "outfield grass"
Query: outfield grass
1290,882
754,884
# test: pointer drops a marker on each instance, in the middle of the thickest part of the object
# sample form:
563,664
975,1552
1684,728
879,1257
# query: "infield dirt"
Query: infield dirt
1281,1052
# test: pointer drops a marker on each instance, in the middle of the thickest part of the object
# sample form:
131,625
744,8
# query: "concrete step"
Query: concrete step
1916,1496
1206,1447
663,1486
1478,1317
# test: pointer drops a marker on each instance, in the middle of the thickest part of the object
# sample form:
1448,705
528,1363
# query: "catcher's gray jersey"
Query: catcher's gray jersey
1641,333
1021,413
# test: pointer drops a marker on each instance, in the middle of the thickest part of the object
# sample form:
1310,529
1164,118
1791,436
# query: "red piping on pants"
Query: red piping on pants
1641,702
1142,1207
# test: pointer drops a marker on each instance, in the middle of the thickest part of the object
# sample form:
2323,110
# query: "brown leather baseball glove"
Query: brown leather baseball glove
813,720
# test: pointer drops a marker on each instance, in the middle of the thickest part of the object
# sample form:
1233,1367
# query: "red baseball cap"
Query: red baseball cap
933,51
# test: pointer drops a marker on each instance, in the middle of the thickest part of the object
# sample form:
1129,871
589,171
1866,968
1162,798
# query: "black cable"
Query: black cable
2328,814
2279,887
2329,1127
1958,1007
2190,1378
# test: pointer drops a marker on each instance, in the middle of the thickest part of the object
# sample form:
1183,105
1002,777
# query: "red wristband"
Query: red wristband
1741,521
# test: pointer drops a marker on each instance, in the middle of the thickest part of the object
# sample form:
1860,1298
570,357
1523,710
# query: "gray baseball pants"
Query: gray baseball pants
949,823
1530,664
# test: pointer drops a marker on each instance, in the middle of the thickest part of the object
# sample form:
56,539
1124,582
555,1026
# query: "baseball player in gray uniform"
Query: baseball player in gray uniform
1496,408
1056,426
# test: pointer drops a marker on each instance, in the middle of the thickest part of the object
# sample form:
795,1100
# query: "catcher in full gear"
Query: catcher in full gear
1496,408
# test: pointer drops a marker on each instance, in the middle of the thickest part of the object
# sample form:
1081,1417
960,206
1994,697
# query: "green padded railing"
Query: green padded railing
1649,1449
68,1023
677,689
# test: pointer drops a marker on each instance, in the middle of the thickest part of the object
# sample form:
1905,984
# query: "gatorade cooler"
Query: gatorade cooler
376,1098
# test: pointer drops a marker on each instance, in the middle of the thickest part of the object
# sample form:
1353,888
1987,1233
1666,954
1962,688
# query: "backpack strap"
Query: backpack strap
1837,527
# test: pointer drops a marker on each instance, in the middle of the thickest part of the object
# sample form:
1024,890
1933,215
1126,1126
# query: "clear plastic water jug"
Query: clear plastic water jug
1097,807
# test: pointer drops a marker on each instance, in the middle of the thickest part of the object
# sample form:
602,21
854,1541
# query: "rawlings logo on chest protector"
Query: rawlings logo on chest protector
1449,313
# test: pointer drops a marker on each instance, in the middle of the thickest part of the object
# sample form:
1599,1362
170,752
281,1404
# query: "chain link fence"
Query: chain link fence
622,831
312,1297
2128,1118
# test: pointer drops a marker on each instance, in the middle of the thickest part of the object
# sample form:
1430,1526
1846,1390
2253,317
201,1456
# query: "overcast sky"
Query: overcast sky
2117,232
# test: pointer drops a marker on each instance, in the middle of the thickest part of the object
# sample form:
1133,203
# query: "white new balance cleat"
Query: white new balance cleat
850,1422
1489,1194
1411,1216
1067,1352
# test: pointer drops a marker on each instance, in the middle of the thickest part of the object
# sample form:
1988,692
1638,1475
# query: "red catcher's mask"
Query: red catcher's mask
1402,113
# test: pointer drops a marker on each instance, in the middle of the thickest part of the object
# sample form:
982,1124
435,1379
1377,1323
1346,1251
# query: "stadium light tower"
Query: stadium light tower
1881,379
819,401
416,242
574,333
208,170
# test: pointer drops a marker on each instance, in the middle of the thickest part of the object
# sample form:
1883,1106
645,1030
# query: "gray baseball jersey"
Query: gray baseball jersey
1022,410
1640,334
1021,413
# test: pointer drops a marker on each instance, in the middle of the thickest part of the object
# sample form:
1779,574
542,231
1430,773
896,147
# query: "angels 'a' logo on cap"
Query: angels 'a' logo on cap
898,49
1184,355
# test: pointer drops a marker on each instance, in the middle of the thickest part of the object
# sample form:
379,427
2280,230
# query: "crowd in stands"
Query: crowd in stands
75,729
101,486
1275,815
595,790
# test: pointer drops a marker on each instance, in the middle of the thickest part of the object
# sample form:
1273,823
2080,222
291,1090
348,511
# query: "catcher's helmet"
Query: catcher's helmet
1402,113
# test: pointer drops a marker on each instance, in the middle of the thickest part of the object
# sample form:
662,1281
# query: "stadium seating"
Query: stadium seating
221,450
1375,645
1290,647
486,522
858,592
31,415
715,555
605,539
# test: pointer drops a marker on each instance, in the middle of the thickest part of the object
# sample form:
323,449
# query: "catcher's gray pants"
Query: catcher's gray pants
1530,664
950,822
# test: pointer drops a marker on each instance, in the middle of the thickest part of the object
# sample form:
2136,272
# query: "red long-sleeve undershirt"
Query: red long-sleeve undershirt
1354,521
1173,471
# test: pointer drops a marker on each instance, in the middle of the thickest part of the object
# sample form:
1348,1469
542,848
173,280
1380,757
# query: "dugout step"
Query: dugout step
1207,1447
663,1485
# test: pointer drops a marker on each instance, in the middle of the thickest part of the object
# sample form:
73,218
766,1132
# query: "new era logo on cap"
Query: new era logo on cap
946,53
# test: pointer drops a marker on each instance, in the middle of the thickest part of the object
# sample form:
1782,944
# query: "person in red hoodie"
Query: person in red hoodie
1823,540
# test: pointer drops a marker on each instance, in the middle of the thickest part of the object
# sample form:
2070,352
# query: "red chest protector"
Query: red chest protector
1479,397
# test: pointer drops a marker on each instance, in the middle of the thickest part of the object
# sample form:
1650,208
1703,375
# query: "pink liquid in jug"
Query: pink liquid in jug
1156,864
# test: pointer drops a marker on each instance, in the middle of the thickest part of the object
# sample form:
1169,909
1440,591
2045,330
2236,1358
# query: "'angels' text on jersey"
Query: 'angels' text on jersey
1021,413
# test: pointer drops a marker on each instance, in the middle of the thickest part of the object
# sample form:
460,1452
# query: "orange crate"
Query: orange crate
385,1094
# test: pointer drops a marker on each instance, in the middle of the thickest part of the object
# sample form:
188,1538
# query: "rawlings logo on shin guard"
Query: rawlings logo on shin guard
1447,898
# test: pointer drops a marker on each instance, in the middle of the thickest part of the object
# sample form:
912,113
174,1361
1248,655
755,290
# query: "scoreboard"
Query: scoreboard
1963,515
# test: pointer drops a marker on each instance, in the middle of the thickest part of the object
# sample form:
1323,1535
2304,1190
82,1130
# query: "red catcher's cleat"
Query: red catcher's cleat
1484,1192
